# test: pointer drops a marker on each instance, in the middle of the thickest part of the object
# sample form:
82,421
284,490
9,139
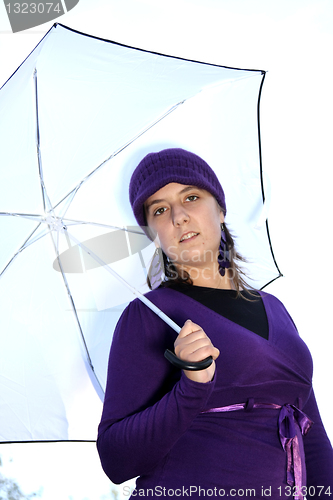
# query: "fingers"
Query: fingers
189,327
192,343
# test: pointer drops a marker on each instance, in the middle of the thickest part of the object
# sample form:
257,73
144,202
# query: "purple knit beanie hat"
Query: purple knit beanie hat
156,170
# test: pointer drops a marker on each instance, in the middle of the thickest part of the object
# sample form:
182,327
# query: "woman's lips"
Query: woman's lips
188,236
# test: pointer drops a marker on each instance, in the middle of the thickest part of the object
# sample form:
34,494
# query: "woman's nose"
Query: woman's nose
180,216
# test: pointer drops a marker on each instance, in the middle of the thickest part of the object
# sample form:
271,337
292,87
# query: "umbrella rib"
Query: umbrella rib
46,200
33,217
22,247
73,192
73,222
33,240
24,216
136,292
76,315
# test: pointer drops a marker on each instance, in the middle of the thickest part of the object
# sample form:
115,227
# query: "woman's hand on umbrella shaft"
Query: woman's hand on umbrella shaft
192,344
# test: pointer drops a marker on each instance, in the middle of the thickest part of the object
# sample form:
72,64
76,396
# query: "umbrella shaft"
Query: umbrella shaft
136,292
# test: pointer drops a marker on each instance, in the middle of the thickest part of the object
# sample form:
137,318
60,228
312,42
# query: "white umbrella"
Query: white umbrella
76,118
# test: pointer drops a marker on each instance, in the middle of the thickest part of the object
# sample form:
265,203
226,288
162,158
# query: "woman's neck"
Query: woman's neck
210,278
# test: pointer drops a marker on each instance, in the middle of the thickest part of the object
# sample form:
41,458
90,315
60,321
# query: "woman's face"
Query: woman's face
187,221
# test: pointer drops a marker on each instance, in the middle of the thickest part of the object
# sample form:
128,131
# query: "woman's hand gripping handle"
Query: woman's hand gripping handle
194,353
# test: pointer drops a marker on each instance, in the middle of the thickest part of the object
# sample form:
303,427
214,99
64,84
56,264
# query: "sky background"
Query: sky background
292,40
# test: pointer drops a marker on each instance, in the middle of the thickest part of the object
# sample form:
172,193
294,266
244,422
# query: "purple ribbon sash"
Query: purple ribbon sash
289,417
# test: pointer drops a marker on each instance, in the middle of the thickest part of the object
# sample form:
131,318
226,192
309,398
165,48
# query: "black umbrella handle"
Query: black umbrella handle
187,365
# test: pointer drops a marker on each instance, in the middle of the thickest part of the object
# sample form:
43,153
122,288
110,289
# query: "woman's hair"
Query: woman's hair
173,277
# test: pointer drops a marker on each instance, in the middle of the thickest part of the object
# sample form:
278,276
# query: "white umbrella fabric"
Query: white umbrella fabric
76,118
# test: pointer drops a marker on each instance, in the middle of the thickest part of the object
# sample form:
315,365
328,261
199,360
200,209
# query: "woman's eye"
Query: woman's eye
159,211
192,197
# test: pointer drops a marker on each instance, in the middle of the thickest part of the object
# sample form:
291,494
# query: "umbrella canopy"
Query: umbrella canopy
76,118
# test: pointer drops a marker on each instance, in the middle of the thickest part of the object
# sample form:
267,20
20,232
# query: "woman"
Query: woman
235,428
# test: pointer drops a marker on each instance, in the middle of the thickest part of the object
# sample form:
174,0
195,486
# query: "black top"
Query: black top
250,313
